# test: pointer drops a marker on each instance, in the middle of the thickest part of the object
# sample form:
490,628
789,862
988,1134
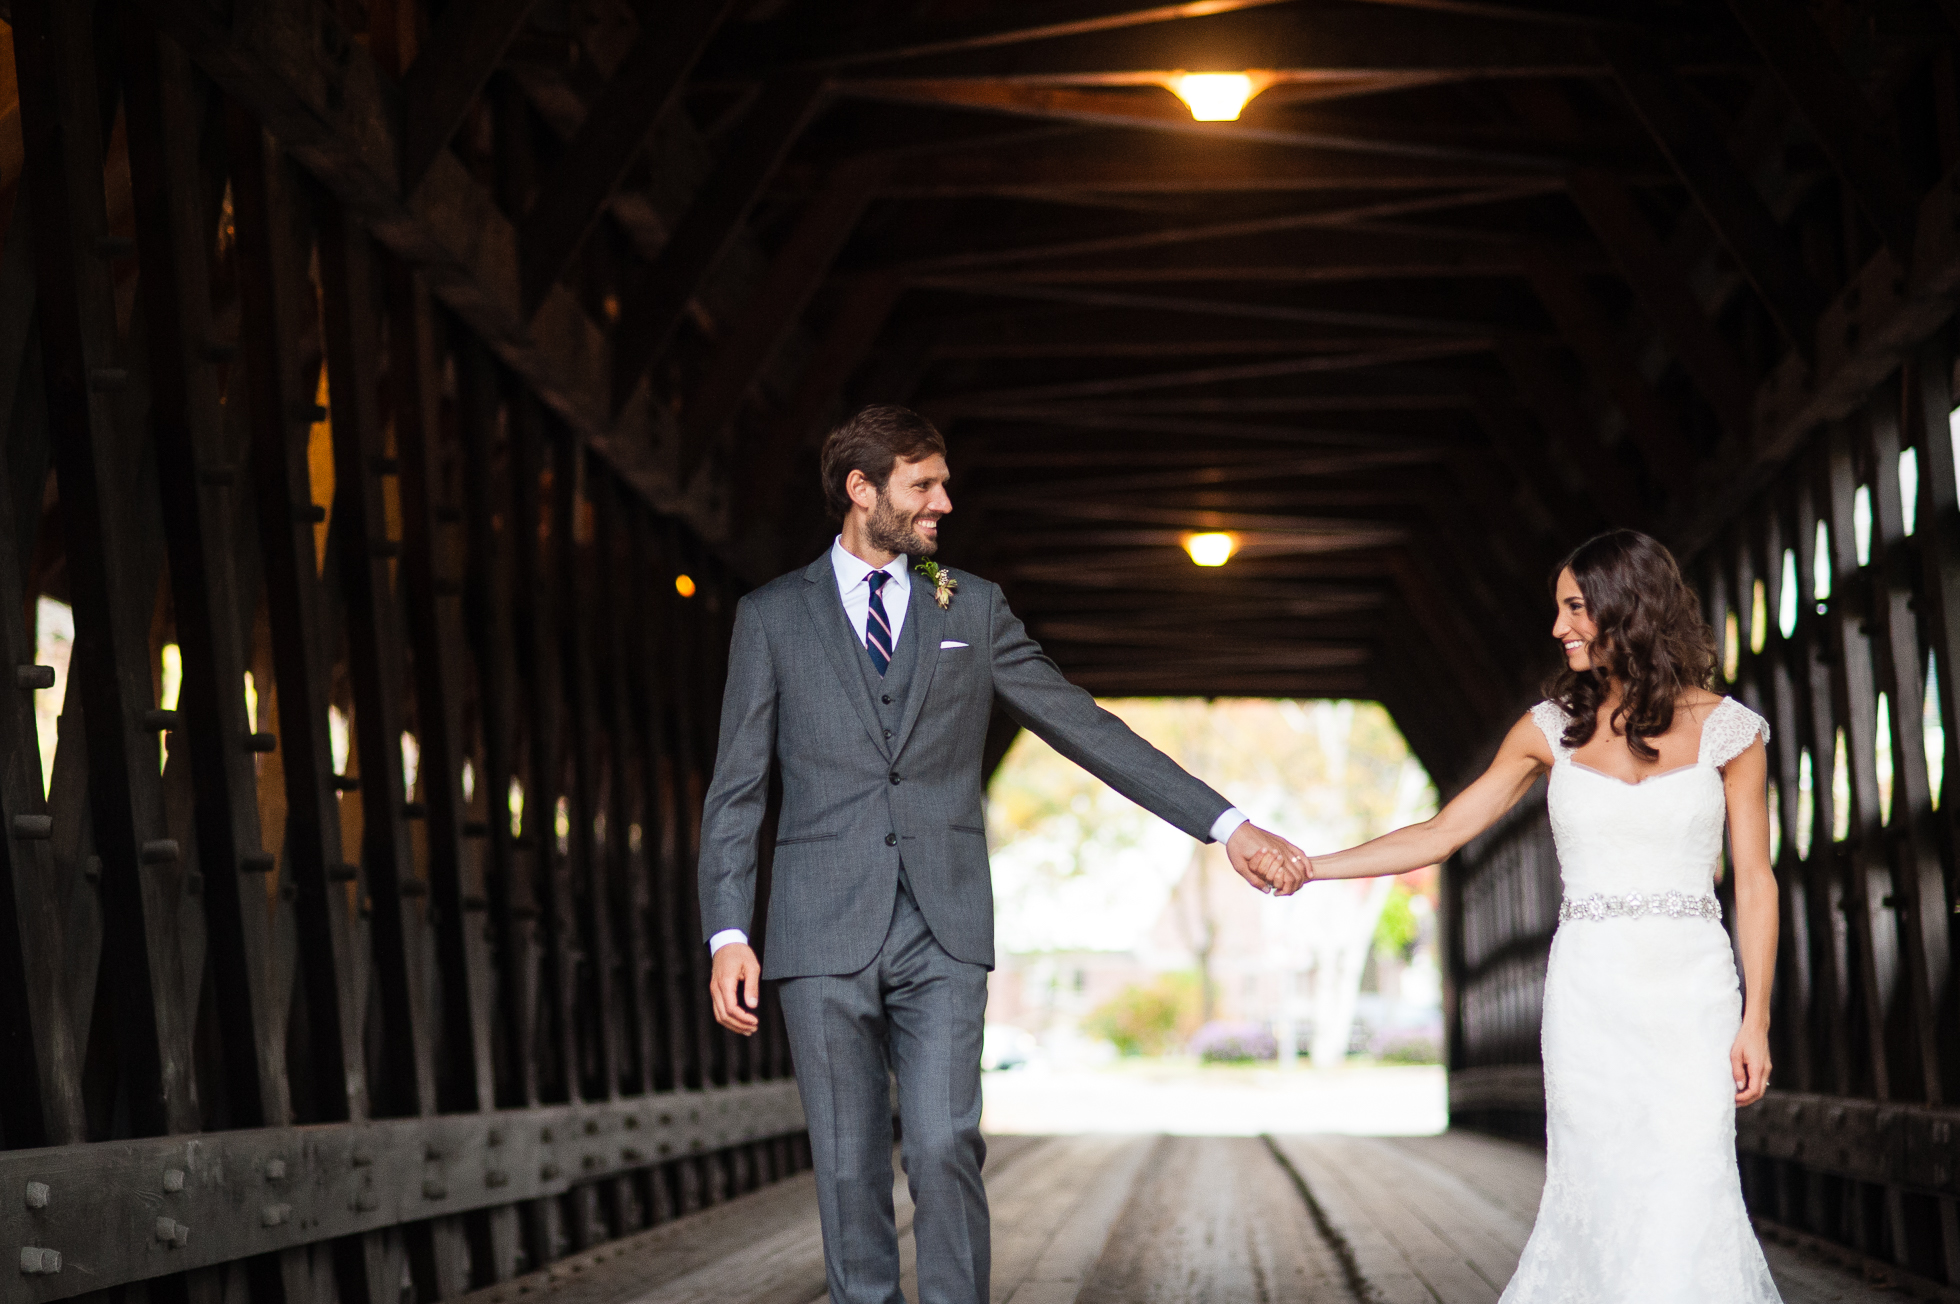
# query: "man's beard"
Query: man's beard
894,533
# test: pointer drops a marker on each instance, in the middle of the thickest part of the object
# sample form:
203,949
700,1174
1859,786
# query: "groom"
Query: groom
869,683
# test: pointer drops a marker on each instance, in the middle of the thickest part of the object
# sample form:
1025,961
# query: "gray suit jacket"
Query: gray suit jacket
856,804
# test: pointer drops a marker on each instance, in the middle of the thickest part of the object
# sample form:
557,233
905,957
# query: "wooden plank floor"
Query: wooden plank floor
1151,1220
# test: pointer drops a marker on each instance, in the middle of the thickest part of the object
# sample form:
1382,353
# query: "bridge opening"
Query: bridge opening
1143,986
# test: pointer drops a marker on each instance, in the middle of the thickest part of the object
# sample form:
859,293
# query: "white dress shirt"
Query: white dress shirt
851,570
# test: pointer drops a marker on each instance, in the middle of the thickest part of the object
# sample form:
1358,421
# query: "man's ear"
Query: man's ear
860,490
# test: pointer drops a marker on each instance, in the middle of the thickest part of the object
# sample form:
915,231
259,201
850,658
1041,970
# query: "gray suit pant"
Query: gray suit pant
917,1012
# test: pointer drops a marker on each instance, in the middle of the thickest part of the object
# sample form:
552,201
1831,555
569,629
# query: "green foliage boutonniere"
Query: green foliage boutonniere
943,582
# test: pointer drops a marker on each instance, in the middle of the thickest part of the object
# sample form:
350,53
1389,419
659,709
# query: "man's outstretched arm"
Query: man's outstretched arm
1033,690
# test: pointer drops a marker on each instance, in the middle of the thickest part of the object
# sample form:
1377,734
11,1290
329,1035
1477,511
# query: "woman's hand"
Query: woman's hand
1270,865
1749,1062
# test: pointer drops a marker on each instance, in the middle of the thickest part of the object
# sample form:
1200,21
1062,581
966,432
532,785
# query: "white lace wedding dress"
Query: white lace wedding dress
1642,1202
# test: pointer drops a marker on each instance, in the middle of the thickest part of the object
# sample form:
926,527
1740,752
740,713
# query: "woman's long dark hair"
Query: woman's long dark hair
1650,636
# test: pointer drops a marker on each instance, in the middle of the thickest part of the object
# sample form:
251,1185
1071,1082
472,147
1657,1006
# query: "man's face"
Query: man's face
905,517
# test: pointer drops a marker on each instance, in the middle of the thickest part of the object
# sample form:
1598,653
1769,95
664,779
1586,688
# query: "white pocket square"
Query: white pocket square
951,642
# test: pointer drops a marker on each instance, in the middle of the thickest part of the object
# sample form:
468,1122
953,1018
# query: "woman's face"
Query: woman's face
1574,628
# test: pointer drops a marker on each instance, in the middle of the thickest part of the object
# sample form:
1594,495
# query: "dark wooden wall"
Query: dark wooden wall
398,984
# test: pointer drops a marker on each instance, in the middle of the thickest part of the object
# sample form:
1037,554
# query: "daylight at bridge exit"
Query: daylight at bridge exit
979,651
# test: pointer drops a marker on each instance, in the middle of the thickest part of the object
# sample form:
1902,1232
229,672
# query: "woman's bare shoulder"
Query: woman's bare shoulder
1698,701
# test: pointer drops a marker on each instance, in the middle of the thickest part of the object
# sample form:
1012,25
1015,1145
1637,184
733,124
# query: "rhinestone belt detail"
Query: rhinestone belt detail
1665,905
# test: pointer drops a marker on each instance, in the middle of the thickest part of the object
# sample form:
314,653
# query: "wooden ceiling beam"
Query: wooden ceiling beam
755,147
573,194
1357,430
1268,119
466,46
1840,117
1319,364
1353,319
1654,273
1314,497
981,248
1350,401
1695,144
1331,255
800,41
1305,540
1143,572
1118,337
773,311
1078,506
840,348
1517,440
1181,168
1664,293
1582,323
1347,40
1562,412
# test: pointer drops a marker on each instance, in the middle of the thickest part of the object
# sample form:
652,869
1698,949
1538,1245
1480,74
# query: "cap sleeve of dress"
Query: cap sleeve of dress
1551,720
1728,731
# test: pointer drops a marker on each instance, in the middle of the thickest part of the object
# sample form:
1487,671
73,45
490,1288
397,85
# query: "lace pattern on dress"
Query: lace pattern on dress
1551,720
1728,731
1725,734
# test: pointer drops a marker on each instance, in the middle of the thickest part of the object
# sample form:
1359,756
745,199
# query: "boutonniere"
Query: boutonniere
942,580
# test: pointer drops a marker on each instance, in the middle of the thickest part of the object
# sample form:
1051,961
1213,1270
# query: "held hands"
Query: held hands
736,983
1749,1062
1267,861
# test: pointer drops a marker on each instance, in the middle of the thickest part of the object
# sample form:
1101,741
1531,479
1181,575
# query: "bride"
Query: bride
1648,1045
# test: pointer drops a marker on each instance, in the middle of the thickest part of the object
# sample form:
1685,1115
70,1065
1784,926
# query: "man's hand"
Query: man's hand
737,981
1267,861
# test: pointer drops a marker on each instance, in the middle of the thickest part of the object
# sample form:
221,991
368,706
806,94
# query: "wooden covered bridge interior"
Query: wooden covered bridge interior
399,394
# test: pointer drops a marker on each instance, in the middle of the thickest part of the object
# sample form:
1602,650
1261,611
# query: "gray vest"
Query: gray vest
889,691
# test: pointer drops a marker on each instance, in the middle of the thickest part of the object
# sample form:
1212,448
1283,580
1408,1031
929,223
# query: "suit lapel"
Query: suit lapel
931,625
833,632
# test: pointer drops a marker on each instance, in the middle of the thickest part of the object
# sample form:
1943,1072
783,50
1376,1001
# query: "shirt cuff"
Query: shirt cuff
1224,826
729,936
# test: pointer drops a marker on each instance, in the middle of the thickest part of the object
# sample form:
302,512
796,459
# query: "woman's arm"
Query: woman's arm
1523,757
1743,779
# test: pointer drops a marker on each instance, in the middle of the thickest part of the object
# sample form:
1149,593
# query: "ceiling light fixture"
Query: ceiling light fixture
1211,549
1217,96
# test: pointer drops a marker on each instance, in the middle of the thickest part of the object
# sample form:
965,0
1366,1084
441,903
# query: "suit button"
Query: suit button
888,699
894,778
891,839
888,733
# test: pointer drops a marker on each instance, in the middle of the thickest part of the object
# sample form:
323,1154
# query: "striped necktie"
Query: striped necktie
878,626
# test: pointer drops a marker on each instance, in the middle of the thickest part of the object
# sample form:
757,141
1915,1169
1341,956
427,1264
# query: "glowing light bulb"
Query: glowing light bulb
1217,96
1210,549
684,585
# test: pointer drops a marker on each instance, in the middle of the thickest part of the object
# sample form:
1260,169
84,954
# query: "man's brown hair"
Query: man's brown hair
873,441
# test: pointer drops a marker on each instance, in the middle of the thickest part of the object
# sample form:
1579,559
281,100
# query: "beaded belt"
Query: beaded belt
1666,905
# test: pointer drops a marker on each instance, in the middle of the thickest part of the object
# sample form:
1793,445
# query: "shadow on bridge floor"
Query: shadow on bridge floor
1143,1220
